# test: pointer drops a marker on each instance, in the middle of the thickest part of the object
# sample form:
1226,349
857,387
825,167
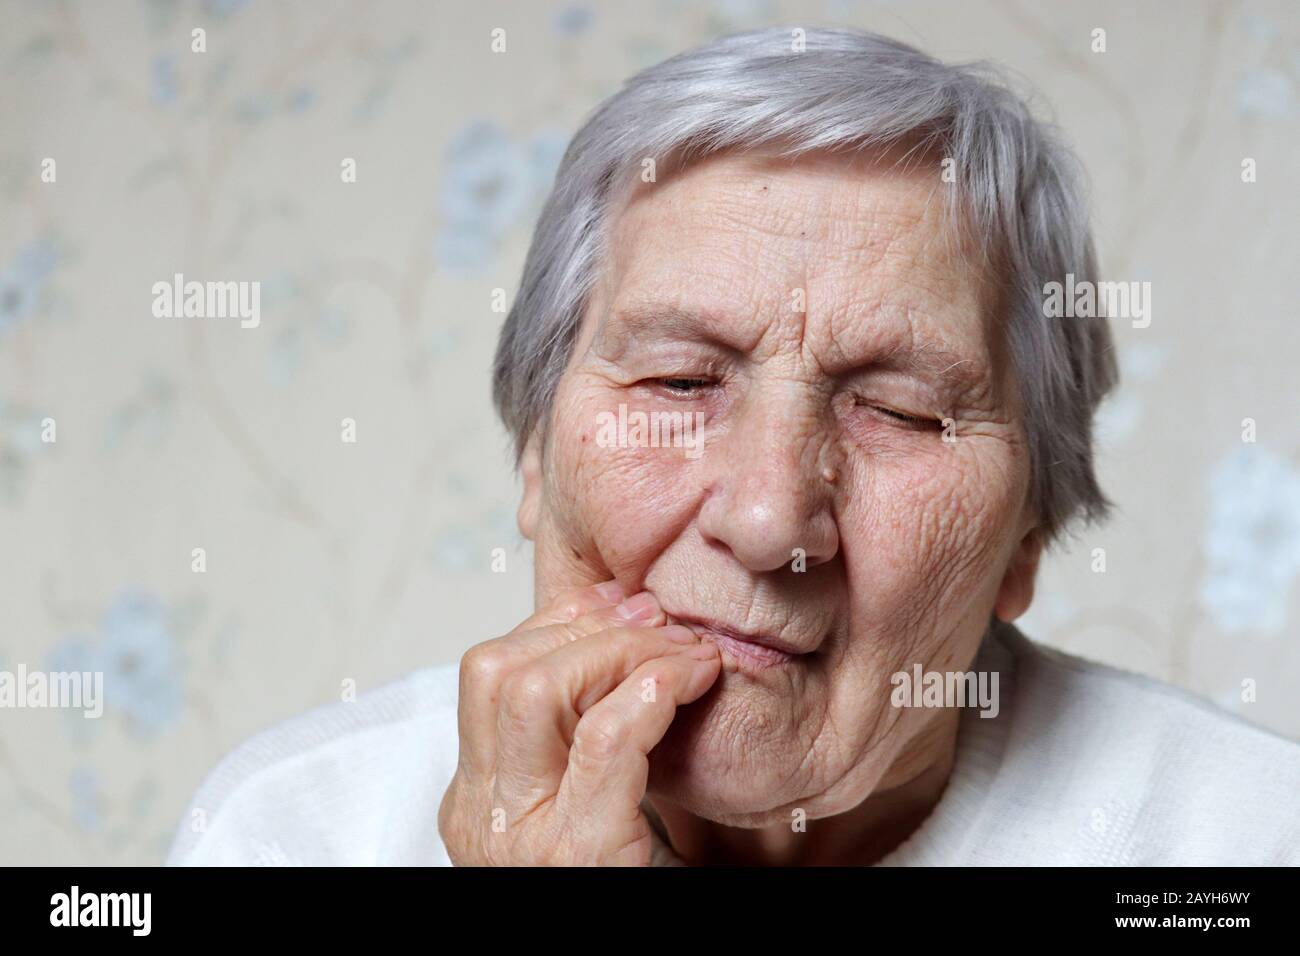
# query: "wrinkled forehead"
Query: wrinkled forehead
862,245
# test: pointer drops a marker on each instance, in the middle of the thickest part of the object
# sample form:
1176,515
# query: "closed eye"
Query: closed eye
910,420
683,386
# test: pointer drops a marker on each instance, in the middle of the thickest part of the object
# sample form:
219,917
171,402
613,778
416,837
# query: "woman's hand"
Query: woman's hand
556,720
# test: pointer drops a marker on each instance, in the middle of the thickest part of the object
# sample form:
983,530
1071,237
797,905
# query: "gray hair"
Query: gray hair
1018,187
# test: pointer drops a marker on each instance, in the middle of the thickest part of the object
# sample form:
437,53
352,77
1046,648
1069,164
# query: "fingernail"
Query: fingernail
679,634
611,591
639,607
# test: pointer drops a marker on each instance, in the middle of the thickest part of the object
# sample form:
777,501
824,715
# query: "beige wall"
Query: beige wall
329,561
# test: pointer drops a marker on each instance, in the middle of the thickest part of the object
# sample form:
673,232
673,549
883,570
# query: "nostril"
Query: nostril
768,517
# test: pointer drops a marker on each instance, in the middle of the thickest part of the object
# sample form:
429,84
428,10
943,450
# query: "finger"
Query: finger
573,603
542,703
609,762
486,666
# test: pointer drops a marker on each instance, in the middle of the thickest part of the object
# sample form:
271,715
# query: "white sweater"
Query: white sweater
1083,765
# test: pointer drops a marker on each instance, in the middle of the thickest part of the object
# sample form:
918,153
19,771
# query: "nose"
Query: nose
771,491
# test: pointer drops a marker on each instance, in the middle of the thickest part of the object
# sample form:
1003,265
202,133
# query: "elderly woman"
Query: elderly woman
794,428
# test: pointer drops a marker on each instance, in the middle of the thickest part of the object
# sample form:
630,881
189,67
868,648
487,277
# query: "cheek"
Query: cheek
623,506
922,538
924,534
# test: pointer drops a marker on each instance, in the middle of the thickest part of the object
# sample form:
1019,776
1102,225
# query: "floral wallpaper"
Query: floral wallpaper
177,510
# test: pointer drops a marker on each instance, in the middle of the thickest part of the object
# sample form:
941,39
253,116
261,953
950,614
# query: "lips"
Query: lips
759,650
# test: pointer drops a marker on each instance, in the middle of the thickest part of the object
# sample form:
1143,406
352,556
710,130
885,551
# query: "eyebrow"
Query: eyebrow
954,370
671,322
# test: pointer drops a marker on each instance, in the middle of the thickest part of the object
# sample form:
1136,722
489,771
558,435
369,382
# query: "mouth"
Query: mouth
755,650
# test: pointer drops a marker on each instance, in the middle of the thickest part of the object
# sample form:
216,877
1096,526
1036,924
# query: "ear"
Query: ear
1016,592
530,504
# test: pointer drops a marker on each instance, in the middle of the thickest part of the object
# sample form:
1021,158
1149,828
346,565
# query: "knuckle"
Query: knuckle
569,603
528,692
665,672
446,812
571,609
599,736
484,665
453,829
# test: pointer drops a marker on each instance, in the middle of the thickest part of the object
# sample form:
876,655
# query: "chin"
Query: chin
721,761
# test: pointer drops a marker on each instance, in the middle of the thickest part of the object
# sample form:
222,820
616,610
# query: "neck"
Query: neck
907,793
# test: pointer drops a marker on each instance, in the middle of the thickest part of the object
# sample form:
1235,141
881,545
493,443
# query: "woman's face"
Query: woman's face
816,317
